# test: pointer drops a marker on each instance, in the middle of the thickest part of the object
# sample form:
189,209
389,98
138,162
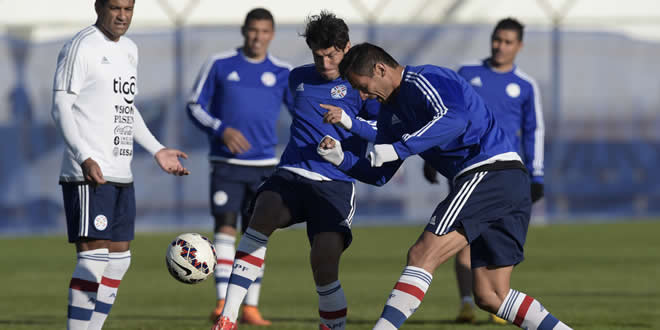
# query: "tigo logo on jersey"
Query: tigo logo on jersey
338,92
268,79
513,90
126,88
100,222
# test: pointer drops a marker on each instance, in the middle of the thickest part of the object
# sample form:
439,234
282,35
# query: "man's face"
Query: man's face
257,34
114,17
327,61
504,47
374,87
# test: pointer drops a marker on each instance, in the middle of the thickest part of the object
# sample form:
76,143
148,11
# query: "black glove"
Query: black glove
430,173
537,191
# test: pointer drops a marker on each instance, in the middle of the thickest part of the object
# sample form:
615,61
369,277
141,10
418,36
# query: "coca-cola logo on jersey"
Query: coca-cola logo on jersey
127,88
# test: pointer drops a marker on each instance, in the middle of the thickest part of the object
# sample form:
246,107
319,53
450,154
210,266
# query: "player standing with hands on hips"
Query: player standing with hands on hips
93,106
236,101
433,112
515,100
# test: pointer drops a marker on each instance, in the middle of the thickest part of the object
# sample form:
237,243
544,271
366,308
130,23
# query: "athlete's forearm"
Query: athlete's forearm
62,113
143,136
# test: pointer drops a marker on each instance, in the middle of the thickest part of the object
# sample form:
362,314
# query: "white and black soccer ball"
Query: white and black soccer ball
190,258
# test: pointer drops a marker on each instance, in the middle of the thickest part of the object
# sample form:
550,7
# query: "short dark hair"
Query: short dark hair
510,24
104,2
361,60
325,30
259,14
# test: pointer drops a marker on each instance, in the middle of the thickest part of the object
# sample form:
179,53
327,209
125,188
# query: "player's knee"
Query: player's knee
487,300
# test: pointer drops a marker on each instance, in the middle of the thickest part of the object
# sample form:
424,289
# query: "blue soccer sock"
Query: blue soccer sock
114,272
405,298
249,258
84,286
527,313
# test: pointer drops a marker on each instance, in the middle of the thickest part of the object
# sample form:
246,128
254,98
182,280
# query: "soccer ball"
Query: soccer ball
190,258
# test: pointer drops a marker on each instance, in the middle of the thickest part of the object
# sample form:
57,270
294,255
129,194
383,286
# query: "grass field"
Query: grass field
597,276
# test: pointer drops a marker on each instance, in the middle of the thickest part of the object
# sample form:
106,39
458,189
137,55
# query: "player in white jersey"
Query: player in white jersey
514,99
93,106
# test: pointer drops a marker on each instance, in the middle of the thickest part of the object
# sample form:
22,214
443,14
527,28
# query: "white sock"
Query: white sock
225,250
332,305
252,297
83,287
107,293
528,313
405,298
247,266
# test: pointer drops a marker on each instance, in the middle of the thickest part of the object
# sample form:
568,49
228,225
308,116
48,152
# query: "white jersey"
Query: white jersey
103,75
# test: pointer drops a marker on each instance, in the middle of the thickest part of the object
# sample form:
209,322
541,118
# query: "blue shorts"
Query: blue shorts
493,209
234,186
326,206
106,211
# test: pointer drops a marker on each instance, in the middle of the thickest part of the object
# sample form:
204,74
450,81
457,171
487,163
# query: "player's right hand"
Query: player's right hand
92,171
430,173
330,149
235,141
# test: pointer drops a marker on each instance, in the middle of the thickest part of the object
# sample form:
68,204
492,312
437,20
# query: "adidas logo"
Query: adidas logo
233,76
104,60
476,81
432,222
300,87
395,119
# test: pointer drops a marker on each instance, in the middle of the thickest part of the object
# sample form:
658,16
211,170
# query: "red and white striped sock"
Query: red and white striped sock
84,286
249,258
107,293
225,250
528,313
405,298
332,305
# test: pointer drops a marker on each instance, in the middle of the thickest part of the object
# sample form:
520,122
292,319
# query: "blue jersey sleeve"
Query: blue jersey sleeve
364,124
533,132
444,109
198,105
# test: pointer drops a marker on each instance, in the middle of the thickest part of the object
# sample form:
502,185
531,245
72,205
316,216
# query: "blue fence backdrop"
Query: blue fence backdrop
602,123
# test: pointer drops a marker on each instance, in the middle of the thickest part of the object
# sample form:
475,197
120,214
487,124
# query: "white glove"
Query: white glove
345,122
382,153
334,155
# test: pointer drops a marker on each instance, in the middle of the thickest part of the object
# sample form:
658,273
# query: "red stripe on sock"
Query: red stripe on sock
225,262
410,289
522,311
249,258
110,282
333,315
83,285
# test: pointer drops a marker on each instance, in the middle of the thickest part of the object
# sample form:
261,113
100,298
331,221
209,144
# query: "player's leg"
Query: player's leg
82,206
251,314
331,206
270,213
122,227
466,313
424,257
493,294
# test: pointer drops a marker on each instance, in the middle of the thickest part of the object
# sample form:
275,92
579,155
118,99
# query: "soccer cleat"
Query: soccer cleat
224,324
215,315
466,314
497,320
252,316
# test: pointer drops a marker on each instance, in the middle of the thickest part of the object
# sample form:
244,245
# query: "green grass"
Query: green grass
596,276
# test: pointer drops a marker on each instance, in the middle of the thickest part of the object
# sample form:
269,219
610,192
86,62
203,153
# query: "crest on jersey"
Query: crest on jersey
268,79
100,222
513,90
338,92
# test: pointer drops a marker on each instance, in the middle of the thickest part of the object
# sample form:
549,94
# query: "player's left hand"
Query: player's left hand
337,116
537,191
430,173
330,149
382,153
168,160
